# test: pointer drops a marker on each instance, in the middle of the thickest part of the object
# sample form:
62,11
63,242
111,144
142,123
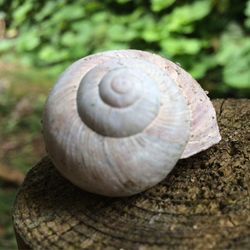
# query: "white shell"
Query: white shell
117,122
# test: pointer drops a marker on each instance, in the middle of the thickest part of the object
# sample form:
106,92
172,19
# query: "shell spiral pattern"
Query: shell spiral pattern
111,92
117,122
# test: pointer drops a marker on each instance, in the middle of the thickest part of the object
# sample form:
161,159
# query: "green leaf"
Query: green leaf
28,41
83,33
178,46
230,43
6,44
118,32
247,13
123,1
234,55
151,32
236,72
184,16
202,65
47,10
237,76
68,39
67,13
50,54
158,5
111,46
247,10
20,14
100,17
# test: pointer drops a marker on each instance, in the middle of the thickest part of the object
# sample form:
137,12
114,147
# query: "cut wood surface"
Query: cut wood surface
204,203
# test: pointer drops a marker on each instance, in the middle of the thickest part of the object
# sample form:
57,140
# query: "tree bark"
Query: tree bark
204,203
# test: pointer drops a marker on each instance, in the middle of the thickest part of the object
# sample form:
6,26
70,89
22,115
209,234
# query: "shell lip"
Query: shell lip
187,154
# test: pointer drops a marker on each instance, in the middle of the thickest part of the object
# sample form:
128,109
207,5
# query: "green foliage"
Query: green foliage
235,56
209,38
247,13
158,5
22,97
7,239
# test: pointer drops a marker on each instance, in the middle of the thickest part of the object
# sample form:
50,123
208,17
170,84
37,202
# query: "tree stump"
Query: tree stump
203,204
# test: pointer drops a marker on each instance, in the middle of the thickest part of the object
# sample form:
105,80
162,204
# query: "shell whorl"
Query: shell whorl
111,94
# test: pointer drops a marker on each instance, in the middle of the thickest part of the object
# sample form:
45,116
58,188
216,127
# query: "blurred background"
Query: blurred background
39,39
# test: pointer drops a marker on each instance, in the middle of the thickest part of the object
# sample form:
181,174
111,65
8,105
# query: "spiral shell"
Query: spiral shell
117,122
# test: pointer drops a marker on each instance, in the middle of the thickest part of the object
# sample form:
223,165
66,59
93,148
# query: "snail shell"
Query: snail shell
117,122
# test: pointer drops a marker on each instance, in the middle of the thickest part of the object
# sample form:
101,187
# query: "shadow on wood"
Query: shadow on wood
203,204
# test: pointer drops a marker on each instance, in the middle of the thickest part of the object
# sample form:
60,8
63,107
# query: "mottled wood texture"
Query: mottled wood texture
203,204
